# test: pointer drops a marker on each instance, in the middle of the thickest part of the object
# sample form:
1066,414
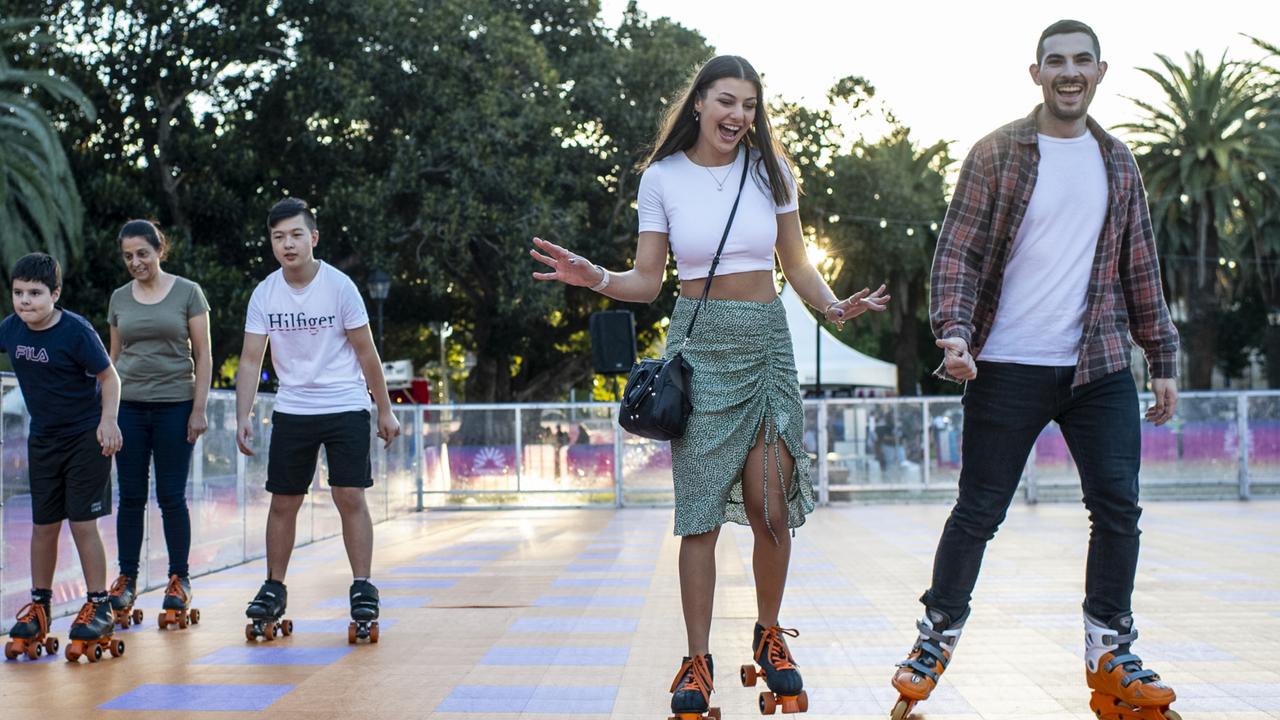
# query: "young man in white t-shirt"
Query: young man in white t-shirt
324,356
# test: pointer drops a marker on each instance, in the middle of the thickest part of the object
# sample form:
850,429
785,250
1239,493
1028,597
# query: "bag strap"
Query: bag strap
706,288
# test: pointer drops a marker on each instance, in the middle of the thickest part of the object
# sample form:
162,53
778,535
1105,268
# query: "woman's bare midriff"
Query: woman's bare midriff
754,286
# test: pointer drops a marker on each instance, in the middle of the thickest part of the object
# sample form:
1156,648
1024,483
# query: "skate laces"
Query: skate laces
174,588
119,586
87,614
33,612
693,676
774,647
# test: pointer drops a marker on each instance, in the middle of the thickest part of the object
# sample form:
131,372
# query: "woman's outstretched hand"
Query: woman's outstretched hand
856,304
566,267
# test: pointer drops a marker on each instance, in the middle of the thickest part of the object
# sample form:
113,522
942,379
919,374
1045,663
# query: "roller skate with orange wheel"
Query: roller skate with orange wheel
123,593
778,668
91,632
364,612
692,688
177,610
266,613
918,675
30,634
1122,688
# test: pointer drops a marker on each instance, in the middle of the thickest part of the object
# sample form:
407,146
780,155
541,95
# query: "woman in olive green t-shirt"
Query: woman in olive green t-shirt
160,345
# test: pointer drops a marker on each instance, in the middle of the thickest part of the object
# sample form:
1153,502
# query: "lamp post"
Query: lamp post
379,287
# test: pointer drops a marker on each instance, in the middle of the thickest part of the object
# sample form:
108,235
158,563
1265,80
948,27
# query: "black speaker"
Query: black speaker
613,341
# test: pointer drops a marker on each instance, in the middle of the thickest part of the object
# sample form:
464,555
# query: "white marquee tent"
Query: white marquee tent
842,366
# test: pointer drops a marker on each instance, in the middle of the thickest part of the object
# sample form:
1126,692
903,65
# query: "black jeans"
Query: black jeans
154,431
1005,408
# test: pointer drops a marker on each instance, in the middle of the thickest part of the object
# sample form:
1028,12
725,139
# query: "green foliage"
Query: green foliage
434,139
40,208
1209,152
874,206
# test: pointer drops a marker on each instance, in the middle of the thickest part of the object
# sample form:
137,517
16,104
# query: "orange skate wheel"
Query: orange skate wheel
1171,715
768,703
35,650
162,621
181,619
901,709
137,617
117,648
195,617
10,651
803,701
713,713
747,673
288,627
373,633
249,634
51,645
74,650
351,634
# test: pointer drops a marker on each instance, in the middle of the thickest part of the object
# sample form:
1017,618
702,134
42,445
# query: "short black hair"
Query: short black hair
38,267
291,208
1066,27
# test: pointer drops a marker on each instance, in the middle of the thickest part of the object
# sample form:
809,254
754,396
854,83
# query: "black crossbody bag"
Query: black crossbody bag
656,402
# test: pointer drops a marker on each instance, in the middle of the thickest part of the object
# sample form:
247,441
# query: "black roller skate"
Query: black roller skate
177,608
692,688
123,593
91,632
266,612
778,668
364,612
30,634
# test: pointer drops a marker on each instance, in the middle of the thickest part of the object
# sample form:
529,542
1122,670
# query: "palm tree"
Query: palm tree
1266,245
40,208
1206,154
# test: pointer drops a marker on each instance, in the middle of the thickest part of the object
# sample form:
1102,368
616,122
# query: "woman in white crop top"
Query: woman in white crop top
736,460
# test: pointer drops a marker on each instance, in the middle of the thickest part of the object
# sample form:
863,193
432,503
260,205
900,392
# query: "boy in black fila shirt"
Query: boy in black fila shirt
72,394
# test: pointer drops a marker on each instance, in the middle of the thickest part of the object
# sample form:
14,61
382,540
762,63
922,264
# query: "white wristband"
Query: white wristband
604,279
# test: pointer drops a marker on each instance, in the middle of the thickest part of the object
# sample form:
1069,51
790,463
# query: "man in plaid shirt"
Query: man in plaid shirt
1046,266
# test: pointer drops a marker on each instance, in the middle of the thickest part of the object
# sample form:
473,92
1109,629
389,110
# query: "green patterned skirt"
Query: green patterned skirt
744,377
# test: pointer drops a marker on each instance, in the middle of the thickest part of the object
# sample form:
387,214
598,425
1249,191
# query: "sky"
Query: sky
957,70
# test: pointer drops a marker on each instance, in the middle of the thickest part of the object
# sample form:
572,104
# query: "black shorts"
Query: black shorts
295,449
70,478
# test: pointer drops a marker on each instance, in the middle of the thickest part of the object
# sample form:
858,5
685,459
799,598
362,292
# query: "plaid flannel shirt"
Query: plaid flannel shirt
1125,297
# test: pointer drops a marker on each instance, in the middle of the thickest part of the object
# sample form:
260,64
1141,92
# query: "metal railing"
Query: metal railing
1220,445
225,494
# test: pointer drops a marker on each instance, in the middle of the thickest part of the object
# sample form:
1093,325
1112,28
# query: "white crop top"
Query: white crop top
679,198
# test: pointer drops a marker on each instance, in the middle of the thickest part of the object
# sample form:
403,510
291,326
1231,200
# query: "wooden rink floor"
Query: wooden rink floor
576,613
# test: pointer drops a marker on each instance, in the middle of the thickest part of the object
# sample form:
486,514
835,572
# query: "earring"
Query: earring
697,116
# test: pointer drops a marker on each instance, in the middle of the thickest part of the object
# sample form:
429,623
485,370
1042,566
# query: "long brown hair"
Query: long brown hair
679,129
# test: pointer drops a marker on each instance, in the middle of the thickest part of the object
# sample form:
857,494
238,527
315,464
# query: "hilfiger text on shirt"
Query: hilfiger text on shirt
291,322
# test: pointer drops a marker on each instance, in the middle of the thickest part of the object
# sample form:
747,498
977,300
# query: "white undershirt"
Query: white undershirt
1040,317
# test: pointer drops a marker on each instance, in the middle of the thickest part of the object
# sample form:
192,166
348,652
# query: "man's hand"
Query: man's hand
388,428
1166,392
957,360
244,436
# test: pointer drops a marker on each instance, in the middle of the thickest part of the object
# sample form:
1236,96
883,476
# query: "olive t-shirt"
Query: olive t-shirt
156,363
